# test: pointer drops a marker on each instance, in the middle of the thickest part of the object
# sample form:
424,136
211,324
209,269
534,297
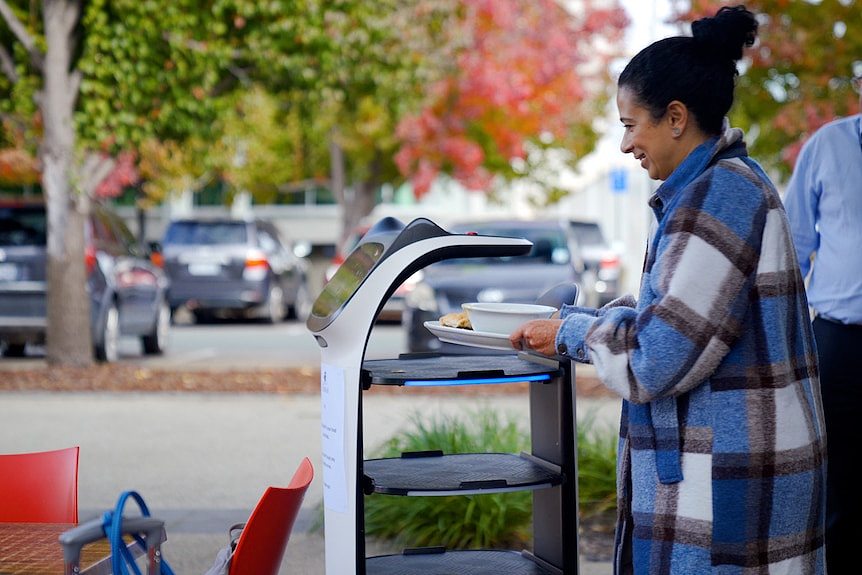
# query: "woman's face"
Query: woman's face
648,140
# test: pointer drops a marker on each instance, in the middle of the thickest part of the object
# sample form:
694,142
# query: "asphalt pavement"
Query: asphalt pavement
202,460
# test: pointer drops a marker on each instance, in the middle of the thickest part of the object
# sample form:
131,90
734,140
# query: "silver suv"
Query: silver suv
603,265
234,268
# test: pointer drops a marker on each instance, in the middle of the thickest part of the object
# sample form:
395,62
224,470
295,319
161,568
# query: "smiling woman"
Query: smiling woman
721,461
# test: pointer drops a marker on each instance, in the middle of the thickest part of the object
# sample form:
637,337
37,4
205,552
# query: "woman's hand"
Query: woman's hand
540,335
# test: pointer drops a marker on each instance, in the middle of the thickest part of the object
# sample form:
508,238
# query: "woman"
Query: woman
722,443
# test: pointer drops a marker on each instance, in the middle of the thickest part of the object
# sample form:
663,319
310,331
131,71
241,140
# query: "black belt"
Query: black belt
836,321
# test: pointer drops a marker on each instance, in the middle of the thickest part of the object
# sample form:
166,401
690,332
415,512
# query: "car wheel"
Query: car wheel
108,341
301,307
156,341
274,311
15,350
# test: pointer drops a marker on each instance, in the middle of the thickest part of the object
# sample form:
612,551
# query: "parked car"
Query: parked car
128,293
444,286
393,309
602,264
234,268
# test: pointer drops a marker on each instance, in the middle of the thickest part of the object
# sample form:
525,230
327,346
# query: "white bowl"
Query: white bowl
504,317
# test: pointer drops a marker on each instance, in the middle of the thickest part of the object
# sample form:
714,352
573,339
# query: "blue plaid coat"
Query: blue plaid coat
722,445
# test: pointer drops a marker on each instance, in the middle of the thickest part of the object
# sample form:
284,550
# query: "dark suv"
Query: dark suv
234,268
128,293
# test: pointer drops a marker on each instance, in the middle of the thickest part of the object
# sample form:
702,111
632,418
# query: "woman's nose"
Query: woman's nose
625,144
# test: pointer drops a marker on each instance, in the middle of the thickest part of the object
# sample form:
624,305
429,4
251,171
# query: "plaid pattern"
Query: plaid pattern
722,443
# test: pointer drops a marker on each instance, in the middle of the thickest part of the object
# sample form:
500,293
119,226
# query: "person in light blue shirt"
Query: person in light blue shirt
824,205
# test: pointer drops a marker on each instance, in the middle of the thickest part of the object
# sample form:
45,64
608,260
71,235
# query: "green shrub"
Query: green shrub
597,463
465,522
483,521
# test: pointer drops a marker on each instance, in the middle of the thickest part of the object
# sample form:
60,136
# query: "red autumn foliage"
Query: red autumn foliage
526,71
123,175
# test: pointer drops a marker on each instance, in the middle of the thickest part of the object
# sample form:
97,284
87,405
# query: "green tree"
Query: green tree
346,72
798,76
98,78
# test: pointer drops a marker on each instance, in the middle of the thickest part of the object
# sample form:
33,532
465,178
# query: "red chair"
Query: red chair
39,487
261,545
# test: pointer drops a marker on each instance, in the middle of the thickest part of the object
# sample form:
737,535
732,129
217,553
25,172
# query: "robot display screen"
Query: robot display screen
347,279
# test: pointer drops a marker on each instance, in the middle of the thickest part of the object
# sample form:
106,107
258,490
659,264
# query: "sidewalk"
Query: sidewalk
201,460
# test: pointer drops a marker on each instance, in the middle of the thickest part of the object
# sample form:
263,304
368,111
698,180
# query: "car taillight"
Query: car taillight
256,265
256,259
609,268
90,258
609,261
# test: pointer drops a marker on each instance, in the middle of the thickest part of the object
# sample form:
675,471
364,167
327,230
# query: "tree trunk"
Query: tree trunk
358,200
337,172
69,341
365,195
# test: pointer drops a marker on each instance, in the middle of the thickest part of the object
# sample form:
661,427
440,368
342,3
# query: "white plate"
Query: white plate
469,337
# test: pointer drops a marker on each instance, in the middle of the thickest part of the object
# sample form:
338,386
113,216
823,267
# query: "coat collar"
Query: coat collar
728,145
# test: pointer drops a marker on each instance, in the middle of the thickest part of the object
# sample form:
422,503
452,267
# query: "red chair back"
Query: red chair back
261,545
39,487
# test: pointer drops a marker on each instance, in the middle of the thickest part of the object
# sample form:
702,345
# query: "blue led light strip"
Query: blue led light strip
480,381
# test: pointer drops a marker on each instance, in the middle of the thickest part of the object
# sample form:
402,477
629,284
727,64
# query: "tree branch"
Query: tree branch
20,32
7,65
95,169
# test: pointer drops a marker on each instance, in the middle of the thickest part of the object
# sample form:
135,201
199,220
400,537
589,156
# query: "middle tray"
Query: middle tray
433,473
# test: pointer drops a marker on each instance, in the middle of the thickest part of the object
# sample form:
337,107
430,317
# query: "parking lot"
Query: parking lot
234,344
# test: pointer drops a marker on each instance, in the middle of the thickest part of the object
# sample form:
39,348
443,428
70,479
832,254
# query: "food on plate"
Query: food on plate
456,319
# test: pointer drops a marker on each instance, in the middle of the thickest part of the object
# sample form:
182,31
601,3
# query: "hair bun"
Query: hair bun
727,33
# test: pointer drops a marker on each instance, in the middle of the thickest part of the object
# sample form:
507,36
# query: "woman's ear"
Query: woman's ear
677,117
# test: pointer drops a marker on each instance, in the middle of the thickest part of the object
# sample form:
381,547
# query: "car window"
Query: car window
23,226
550,245
121,234
124,233
104,232
206,233
267,242
588,234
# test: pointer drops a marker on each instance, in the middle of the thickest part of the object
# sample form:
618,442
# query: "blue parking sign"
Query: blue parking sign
619,180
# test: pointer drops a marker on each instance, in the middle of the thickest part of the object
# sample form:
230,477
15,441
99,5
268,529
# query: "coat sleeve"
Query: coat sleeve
694,296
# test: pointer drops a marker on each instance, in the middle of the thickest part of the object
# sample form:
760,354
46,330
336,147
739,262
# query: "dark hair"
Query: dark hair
699,71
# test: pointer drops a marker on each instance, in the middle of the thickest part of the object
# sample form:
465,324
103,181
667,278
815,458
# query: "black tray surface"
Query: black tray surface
454,563
474,472
452,367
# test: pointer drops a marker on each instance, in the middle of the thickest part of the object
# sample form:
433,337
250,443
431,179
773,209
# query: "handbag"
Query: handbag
221,566
122,561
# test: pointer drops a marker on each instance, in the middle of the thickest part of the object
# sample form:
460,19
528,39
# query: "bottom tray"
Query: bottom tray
454,563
